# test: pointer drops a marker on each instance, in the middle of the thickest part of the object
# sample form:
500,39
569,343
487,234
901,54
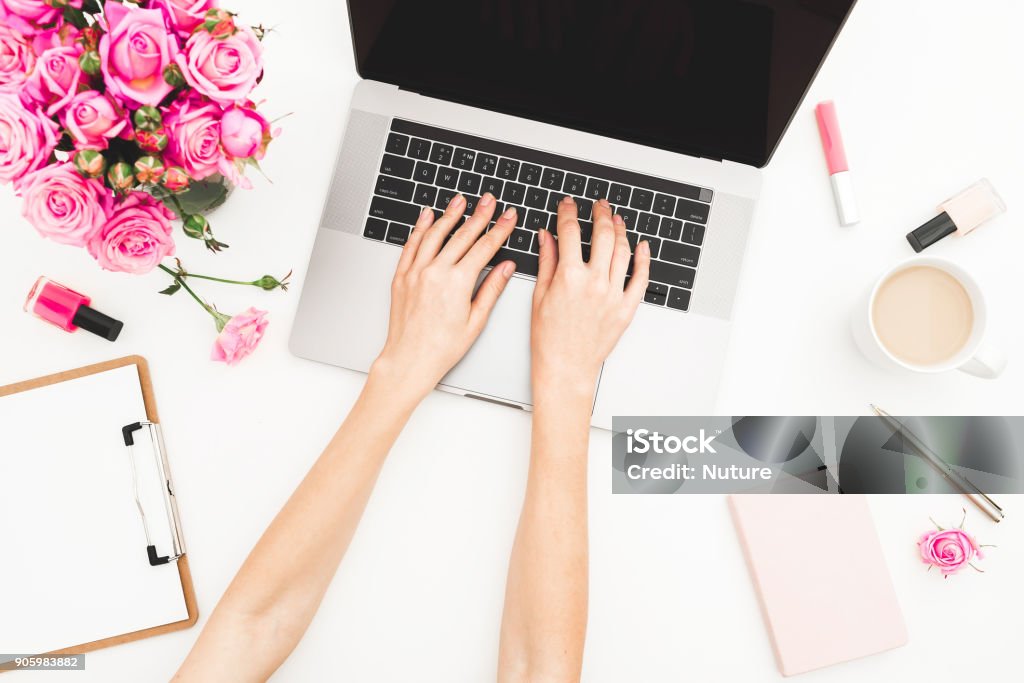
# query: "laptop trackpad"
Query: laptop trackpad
498,365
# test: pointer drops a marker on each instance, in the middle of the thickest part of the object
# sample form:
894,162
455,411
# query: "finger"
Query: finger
547,264
412,244
637,286
568,232
603,240
620,255
488,292
487,246
464,238
433,238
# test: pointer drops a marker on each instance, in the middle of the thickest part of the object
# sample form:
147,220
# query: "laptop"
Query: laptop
668,108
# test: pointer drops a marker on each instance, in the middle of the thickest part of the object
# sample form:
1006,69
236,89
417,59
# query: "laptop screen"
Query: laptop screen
711,78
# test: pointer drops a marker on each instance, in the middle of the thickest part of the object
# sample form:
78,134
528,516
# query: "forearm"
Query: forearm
267,608
545,618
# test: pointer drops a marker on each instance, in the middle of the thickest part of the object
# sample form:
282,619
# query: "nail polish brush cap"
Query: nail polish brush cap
962,213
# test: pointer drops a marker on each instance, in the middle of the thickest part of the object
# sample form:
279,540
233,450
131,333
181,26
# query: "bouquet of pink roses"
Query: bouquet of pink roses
116,119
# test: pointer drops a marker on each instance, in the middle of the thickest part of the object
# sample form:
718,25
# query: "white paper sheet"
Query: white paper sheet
73,564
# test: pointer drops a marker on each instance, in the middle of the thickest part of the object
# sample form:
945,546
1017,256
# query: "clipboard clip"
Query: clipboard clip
170,502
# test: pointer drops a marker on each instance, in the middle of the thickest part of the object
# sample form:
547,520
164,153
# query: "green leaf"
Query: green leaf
175,286
75,17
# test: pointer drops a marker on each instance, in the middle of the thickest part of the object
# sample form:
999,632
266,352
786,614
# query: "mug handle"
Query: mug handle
988,362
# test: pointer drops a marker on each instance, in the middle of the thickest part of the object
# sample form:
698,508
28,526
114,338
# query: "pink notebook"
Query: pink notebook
818,568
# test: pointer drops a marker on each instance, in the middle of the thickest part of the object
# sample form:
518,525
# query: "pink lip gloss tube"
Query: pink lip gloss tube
838,168
69,310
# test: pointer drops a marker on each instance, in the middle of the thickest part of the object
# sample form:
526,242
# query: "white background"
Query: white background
930,100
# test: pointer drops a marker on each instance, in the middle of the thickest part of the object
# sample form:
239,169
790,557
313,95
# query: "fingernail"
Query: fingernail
645,247
567,200
456,200
542,235
604,203
510,212
424,210
617,219
487,199
507,269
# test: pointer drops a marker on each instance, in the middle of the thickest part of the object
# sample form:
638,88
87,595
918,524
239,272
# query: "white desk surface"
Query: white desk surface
930,100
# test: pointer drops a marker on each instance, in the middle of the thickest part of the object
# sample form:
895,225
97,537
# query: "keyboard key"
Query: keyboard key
683,254
535,247
647,223
485,164
664,204
552,179
554,198
629,218
397,166
535,220
443,197
520,239
619,195
419,149
706,195
520,214
508,169
397,234
669,273
425,195
471,202
536,198
656,293
655,245
574,184
447,177
529,174
469,182
492,185
553,223
584,208
693,233
441,154
464,159
679,298
585,252
692,211
633,238
642,199
586,230
394,210
671,229
397,144
526,264
597,189
376,228
425,173
394,188
514,193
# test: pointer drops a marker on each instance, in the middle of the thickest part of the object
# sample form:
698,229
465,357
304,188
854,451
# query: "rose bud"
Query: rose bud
149,170
89,163
90,62
148,118
175,179
121,177
151,141
173,76
89,38
219,23
57,4
196,226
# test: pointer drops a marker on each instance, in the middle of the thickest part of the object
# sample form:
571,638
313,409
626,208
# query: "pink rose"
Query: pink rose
55,79
62,205
24,15
240,336
16,57
93,118
27,138
184,15
136,236
950,549
135,51
224,69
193,128
244,133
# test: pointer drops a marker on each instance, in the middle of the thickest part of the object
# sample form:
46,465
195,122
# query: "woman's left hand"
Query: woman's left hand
435,317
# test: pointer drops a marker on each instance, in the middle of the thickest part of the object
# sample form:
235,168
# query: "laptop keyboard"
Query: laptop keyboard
423,165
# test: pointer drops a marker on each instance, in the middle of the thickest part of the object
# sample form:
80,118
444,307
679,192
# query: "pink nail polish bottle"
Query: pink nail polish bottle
69,310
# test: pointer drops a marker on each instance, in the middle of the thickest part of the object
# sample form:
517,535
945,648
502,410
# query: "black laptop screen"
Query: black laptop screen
713,78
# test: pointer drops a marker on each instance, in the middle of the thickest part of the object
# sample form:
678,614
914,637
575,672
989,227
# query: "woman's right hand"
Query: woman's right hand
580,309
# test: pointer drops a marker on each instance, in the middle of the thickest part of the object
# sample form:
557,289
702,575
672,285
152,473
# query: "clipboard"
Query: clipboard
133,432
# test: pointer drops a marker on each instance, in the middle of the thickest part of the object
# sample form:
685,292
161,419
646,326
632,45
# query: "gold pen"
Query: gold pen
962,483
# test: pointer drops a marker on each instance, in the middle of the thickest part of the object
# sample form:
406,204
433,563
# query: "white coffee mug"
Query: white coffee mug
975,357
